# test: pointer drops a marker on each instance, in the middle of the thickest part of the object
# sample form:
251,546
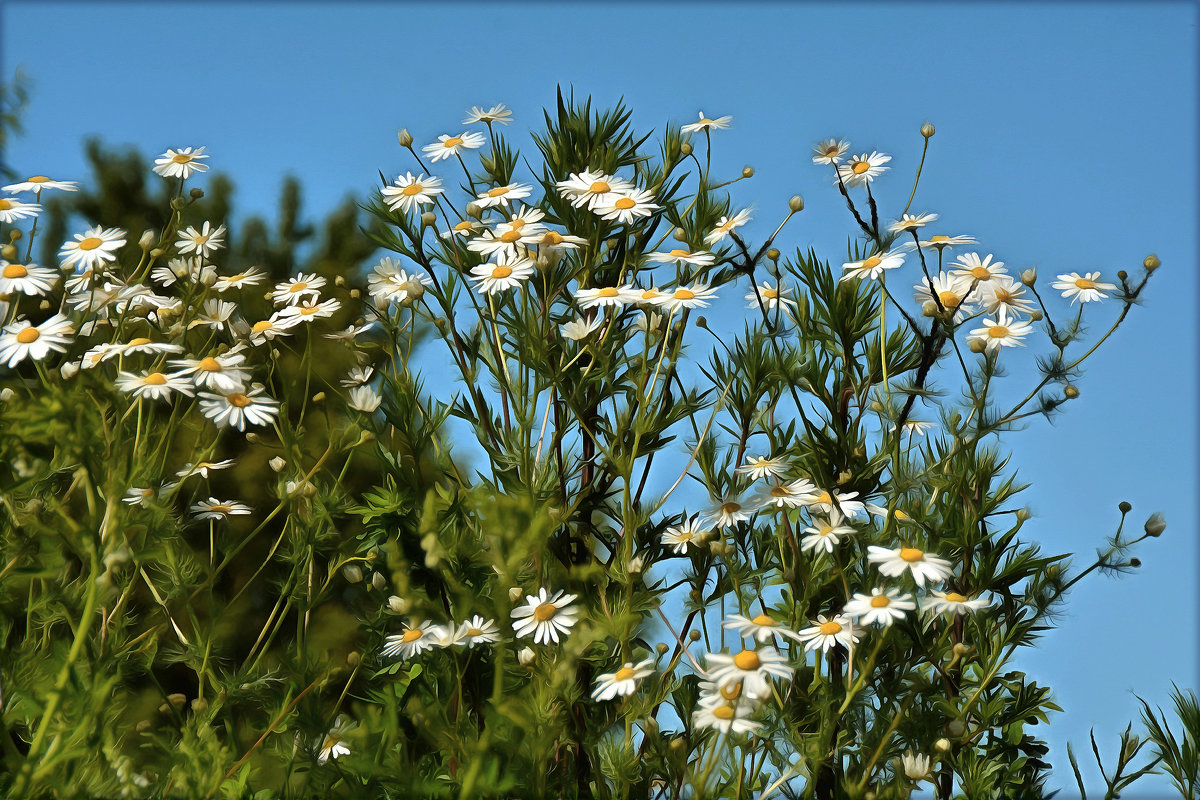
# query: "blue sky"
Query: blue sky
1066,140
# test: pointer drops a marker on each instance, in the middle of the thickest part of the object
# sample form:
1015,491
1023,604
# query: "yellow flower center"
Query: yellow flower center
412,189
949,299
770,294
517,223
155,379
880,601
911,554
545,612
90,243
680,253
831,627
181,158
685,536
955,597
939,239
138,342
823,497
859,167
238,400
625,203
474,632
412,636
499,191
220,509
650,294
38,179
731,691
201,240
309,310
997,331
900,514
262,325
684,294
624,674
747,660
872,262
763,619
731,507
599,187
209,364
780,491
298,286
552,237
705,121
826,530
508,237
453,141
607,291
5,205
15,271
723,712
28,335
465,225
1084,283
1003,295
501,272
981,273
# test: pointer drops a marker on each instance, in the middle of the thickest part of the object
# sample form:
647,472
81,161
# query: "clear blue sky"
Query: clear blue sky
1066,139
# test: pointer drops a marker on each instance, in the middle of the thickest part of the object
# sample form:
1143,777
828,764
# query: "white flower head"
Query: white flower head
544,616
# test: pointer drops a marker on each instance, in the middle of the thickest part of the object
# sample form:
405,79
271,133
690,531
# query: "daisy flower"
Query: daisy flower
497,113
413,640
180,163
364,399
1084,289
545,617
762,467
334,744
948,292
880,607
606,296
823,534
466,227
689,533
1001,332
787,495
651,297
910,222
267,329
137,496
93,248
725,719
501,195
448,145
625,208
391,284
726,226
941,242
873,266
971,267
506,273
216,314
828,503
154,385
13,210
592,188
39,182
753,668
203,242
863,168
307,311
580,328
695,296
202,468
704,123
727,512
953,602
222,373
100,353
623,682
477,630
922,565
553,240
212,508
700,258
409,192
772,297
178,269
830,151
826,633
760,628
916,767
357,377
292,291
1004,292
237,408
27,279
250,277
22,339
916,427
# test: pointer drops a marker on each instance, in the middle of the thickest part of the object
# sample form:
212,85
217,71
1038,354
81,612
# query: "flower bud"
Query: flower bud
397,604
636,565
319,397
963,650
252,437
694,635
177,699
976,346
956,727
7,394
649,725
773,254
428,219
796,203
378,581
178,203
1023,514
352,573
474,210
927,129
747,172
686,148
1124,507
8,252
1036,315
514,594
1029,276
404,137
661,648
276,464
67,370
1151,263
14,235
147,240
1070,391
199,705
929,308
1122,274
353,658
844,477
942,745
1135,562
1156,524
702,322
196,193
143,726
679,234
526,657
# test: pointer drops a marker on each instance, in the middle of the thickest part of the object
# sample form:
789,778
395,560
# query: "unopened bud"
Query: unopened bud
428,218
176,699
1122,274
844,477
686,148
340,281
1036,315
1124,506
677,745
378,581
319,397
67,370
397,604
199,705
927,130
178,203
694,635
1156,524
1135,562
1023,514
942,745
8,252
956,728
773,254
636,565
252,437
679,234
661,648
143,726
355,294
158,252
963,650
514,594
747,172
196,193
976,345
526,657
702,322
1151,263
929,308
14,235
353,658
352,573
147,240
276,464
404,137
7,394
1029,276
796,203
1070,391
474,210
